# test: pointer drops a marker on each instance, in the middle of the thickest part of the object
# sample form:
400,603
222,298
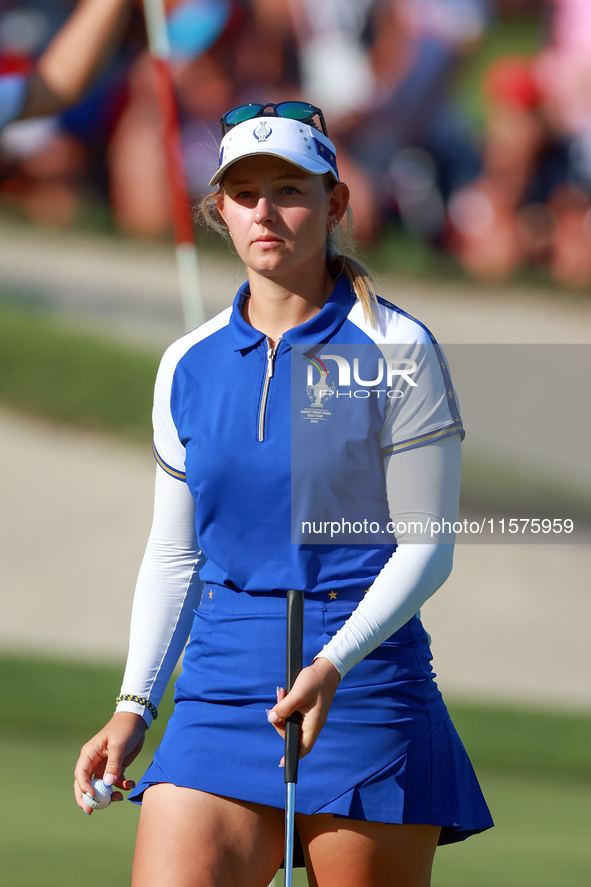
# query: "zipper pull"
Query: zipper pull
271,353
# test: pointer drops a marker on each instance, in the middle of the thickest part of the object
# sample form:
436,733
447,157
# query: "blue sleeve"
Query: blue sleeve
13,89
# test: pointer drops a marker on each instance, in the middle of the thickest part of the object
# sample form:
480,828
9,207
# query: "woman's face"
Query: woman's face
278,214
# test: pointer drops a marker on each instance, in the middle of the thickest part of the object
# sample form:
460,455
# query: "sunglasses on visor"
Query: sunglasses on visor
301,111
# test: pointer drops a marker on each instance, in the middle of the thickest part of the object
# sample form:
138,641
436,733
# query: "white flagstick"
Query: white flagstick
186,254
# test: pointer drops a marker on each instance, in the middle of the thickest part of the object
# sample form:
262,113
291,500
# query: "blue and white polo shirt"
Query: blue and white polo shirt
270,441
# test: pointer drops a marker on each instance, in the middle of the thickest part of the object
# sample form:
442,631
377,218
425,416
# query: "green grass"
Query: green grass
52,707
63,700
525,741
45,840
540,839
74,377
534,767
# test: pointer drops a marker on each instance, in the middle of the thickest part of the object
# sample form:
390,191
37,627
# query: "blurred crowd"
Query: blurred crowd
515,192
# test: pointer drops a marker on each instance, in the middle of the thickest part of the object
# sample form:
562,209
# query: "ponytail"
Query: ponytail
343,260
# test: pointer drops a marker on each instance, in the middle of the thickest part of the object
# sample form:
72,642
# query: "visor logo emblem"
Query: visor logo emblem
262,132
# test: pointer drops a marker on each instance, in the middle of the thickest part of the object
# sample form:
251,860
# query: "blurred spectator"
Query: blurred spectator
137,177
379,68
43,165
254,60
138,190
336,72
382,70
65,69
563,71
532,202
225,53
485,214
383,67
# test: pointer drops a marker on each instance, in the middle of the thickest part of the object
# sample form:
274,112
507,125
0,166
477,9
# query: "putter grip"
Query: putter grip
295,652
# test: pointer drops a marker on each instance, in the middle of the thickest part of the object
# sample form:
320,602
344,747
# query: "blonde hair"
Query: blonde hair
340,246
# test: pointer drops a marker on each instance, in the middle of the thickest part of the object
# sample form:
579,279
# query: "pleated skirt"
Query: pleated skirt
387,753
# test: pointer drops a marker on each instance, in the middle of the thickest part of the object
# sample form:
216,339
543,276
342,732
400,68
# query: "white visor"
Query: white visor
298,143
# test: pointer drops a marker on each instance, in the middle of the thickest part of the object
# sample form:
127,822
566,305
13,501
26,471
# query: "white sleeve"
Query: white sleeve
168,449
428,407
168,590
423,485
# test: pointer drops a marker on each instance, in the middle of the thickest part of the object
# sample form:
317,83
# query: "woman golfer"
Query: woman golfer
267,481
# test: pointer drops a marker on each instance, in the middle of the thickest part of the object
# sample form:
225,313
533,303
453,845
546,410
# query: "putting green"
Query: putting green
541,838
45,839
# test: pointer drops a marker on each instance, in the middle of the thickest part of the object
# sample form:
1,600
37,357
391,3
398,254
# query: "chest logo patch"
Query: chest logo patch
318,392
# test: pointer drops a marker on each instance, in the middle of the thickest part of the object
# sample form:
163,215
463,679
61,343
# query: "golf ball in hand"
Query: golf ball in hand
102,795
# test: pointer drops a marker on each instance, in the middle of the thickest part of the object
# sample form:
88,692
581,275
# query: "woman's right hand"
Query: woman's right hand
109,752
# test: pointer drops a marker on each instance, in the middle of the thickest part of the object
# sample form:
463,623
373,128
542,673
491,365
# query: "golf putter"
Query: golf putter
295,652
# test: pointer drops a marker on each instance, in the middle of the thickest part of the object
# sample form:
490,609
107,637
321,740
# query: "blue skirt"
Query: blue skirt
387,753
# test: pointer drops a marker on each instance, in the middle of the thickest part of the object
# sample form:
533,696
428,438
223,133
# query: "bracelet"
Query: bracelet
141,700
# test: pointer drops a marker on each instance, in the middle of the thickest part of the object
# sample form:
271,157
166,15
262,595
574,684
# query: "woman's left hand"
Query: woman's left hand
312,695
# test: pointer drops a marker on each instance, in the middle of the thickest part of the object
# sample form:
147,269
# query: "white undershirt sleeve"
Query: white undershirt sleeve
168,589
423,486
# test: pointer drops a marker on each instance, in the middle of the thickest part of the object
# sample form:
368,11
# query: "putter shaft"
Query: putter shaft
295,654
289,832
